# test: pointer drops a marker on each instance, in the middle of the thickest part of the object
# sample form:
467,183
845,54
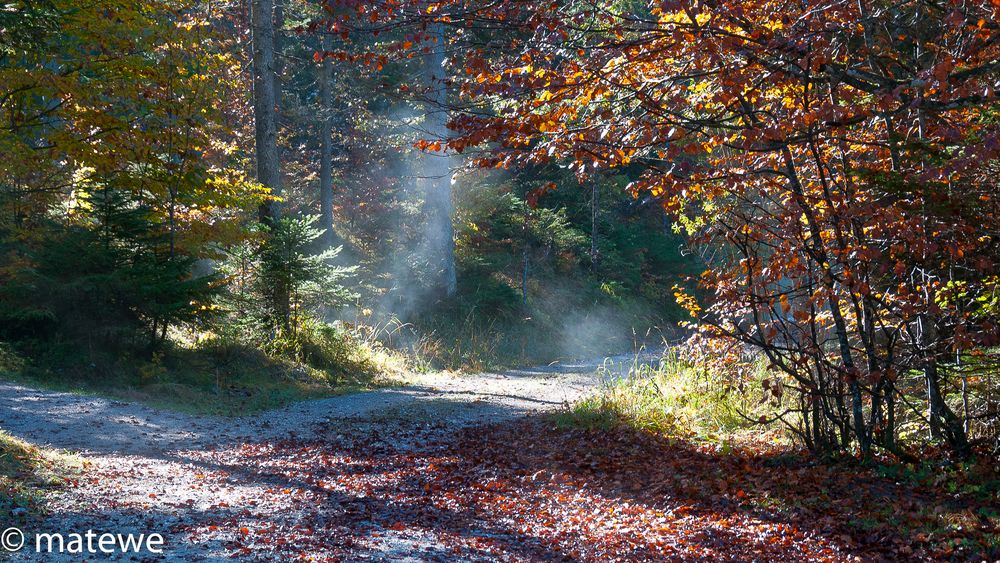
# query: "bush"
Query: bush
112,277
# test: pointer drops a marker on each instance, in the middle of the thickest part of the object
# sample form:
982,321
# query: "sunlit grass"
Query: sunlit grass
673,397
205,375
27,473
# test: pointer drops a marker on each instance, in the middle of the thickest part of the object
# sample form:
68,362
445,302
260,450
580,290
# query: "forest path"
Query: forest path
208,483
94,425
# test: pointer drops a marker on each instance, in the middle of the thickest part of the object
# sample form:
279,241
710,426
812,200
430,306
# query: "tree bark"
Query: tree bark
326,147
278,21
437,172
265,106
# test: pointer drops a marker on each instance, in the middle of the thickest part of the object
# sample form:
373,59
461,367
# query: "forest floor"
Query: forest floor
452,468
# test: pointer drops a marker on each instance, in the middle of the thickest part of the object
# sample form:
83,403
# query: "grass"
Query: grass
27,474
211,376
672,397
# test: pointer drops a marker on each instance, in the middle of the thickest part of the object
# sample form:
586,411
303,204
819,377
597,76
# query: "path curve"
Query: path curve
152,470
93,425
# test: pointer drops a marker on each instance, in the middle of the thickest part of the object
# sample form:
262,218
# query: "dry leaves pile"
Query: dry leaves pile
529,491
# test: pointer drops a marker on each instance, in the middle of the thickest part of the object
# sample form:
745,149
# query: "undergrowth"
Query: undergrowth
208,373
487,325
667,395
27,474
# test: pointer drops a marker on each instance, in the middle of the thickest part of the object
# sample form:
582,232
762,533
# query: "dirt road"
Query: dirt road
208,483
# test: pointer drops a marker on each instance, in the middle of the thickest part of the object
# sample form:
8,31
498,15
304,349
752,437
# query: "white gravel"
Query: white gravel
152,479
92,425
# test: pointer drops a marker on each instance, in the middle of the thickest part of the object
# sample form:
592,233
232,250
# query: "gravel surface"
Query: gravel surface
155,471
93,425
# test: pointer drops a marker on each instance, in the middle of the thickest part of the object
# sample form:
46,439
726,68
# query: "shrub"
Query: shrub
276,284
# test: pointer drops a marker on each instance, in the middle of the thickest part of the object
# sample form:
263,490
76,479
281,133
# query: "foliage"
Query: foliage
119,95
276,283
496,223
123,181
118,169
836,162
831,166
514,234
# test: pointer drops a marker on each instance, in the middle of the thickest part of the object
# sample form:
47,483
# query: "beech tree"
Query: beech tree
116,160
840,155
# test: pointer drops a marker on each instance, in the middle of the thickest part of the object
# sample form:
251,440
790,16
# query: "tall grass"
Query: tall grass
672,396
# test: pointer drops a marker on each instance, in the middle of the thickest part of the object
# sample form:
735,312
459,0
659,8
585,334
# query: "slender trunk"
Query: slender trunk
948,421
265,106
889,434
833,300
965,403
437,172
326,147
594,256
524,277
943,421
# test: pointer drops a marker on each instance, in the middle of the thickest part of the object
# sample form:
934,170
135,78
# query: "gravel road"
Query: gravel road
152,470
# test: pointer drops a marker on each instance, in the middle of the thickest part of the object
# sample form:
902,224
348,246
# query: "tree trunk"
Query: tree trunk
265,106
524,276
326,147
889,434
594,255
278,21
947,420
437,172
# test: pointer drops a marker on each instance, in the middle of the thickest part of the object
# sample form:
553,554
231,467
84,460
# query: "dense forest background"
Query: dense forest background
228,195
147,235
784,215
